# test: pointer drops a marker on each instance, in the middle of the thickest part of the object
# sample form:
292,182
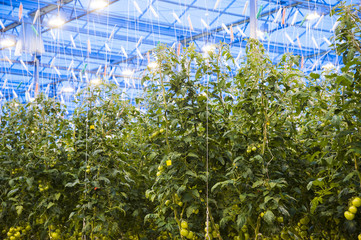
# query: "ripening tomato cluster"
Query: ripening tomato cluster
352,210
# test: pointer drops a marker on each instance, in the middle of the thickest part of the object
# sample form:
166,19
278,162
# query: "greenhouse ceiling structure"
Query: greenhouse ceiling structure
58,47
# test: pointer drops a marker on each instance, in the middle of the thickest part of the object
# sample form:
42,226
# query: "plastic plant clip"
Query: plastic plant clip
37,14
232,34
302,62
25,67
327,41
111,73
105,70
139,42
245,8
176,17
112,34
139,54
99,68
52,62
240,31
304,19
27,96
259,11
314,42
299,43
47,89
179,49
73,74
225,28
239,54
284,16
84,68
335,26
155,14
71,65
72,41
35,31
115,80
5,82
19,85
204,23
2,24
123,51
7,59
30,86
57,71
294,18
136,6
20,11
148,57
52,34
89,47
278,15
86,77
14,94
216,4
289,38
190,23
107,48
319,21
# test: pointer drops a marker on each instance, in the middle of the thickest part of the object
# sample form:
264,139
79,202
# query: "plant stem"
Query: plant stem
165,110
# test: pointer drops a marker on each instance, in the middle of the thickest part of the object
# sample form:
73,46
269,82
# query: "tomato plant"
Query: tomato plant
262,152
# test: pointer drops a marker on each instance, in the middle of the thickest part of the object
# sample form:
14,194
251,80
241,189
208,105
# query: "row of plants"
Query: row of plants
265,152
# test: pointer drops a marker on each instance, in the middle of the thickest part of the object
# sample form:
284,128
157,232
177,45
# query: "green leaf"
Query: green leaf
72,184
269,217
19,209
191,154
50,204
57,196
12,192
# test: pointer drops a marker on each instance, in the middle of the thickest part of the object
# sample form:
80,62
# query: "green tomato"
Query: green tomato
184,224
349,216
209,229
280,219
184,232
352,209
254,148
305,220
356,202
55,235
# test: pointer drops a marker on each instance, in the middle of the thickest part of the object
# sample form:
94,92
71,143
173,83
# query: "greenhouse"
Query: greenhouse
180,119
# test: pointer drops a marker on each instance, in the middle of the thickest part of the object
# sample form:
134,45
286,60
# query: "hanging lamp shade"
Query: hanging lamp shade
30,40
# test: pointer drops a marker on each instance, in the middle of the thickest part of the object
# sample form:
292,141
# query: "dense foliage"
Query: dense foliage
264,152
